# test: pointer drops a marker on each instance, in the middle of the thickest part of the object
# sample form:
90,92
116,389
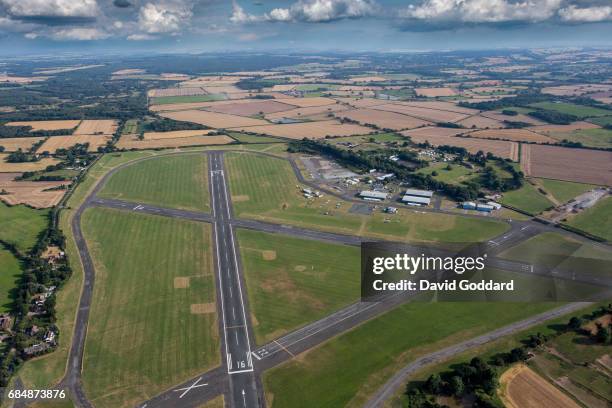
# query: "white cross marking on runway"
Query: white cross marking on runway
192,386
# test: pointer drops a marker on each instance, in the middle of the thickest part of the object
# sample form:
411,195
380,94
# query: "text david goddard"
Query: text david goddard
425,285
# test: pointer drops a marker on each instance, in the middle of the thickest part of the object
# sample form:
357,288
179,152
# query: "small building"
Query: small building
373,195
419,193
468,205
496,206
484,207
385,177
390,210
49,336
5,321
416,200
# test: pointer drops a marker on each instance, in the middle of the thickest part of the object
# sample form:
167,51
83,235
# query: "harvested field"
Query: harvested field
435,92
383,119
30,192
251,108
179,106
47,124
432,115
307,102
311,130
439,105
213,119
562,163
515,135
174,134
481,122
6,167
433,131
183,91
578,89
227,89
368,79
499,148
517,118
306,112
522,387
563,128
132,142
361,102
13,144
97,127
64,142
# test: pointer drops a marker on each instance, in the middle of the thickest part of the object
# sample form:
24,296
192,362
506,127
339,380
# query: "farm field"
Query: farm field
563,191
177,181
580,111
52,144
179,91
602,120
527,198
435,92
10,271
548,129
456,175
37,194
47,124
588,137
432,115
293,281
347,369
306,112
174,134
154,340
481,122
244,138
382,119
266,189
311,130
521,117
515,135
307,102
251,108
133,142
523,387
21,225
168,100
97,127
15,143
440,105
6,167
596,220
213,119
578,165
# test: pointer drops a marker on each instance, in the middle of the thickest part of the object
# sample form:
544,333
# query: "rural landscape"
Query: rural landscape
188,229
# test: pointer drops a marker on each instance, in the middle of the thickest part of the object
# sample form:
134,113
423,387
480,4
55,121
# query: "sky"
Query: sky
128,26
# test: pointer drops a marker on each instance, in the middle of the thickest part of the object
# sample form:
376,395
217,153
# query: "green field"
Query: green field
596,220
21,225
130,127
293,281
580,111
316,87
347,369
602,120
178,181
563,191
244,138
166,100
588,137
10,270
266,188
456,175
527,198
143,334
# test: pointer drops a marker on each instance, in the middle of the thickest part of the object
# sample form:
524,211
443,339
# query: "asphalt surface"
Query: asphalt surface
238,377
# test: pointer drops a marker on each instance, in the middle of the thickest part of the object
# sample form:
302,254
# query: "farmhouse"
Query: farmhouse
373,195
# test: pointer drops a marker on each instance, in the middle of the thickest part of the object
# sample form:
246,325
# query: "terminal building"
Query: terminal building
417,197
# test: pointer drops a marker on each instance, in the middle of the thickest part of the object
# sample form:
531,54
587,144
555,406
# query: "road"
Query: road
238,377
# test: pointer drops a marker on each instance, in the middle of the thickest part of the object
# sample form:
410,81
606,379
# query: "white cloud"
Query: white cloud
141,37
239,16
587,14
51,8
164,17
31,36
483,11
80,34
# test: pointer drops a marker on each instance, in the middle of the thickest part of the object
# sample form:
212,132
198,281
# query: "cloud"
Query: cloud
80,34
239,16
51,8
164,17
586,14
141,37
122,3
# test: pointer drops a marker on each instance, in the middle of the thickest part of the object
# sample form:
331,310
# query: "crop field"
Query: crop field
361,102
435,92
180,106
252,108
579,165
35,194
522,387
515,135
244,138
347,369
527,198
293,281
521,117
97,127
153,340
311,130
587,137
265,188
171,100
179,91
577,89
602,120
596,220
553,129
21,225
13,144
563,191
52,144
47,124
307,102
10,271
432,115
383,119
438,137
440,105
213,119
481,122
174,134
306,112
579,111
133,142
177,181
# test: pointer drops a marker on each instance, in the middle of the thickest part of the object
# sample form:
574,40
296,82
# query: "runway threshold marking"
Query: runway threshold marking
191,387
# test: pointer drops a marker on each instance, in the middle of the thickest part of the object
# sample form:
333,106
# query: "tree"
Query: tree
456,386
1,149
575,323
604,334
434,384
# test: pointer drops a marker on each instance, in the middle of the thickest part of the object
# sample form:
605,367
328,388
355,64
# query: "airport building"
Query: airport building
373,195
417,197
